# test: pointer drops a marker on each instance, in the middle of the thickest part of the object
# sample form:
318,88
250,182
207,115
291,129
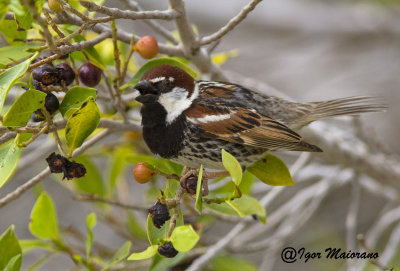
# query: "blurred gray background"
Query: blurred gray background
310,50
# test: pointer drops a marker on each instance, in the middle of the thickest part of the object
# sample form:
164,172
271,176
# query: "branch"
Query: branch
46,172
230,25
108,201
213,250
117,13
67,18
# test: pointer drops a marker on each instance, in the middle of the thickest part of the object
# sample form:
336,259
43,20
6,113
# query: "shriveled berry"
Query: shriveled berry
147,47
55,6
37,116
167,250
46,74
74,170
143,172
190,184
51,103
159,214
89,74
37,85
66,73
56,163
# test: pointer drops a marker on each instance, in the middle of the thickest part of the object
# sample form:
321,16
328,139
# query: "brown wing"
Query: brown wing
245,126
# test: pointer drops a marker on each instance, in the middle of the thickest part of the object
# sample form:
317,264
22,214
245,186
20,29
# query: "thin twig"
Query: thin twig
230,25
178,196
109,201
46,172
133,15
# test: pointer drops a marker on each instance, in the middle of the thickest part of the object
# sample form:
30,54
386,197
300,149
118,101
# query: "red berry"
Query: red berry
147,47
89,74
143,172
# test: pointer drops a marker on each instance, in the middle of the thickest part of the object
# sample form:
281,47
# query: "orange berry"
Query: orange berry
55,6
147,47
143,172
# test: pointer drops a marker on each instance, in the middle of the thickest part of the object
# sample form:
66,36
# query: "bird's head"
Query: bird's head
168,86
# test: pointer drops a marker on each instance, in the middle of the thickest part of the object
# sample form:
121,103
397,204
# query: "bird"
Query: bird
190,121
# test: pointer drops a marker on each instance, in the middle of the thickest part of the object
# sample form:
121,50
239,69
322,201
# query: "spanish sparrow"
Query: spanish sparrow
190,121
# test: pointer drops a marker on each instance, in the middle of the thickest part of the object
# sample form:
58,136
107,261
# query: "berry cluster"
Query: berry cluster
60,164
61,75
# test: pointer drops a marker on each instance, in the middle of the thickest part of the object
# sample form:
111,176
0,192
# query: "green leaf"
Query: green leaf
247,205
74,99
9,157
9,77
22,14
171,187
122,252
92,182
94,57
21,110
10,31
160,263
9,250
16,52
155,234
232,166
157,62
148,253
271,170
184,238
82,123
221,58
118,164
199,192
90,223
231,263
14,263
43,222
221,208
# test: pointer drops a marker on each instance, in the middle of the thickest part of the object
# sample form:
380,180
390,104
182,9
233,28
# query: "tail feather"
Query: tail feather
344,106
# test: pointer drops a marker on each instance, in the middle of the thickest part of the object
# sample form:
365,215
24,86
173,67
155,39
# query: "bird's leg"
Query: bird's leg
187,172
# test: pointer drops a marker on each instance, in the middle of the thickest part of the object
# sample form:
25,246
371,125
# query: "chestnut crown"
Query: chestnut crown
168,74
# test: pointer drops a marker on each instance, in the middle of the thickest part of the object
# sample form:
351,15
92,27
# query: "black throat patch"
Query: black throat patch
162,139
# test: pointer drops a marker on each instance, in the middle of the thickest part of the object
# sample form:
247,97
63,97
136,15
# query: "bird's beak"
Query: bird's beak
148,93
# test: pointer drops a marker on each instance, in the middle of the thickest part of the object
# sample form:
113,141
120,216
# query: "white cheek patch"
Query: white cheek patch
176,101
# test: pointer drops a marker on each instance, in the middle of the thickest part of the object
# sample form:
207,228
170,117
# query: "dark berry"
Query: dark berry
190,184
37,116
167,250
51,103
56,163
46,74
74,170
37,85
159,214
66,73
60,164
89,74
